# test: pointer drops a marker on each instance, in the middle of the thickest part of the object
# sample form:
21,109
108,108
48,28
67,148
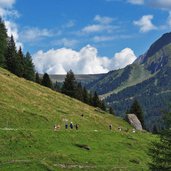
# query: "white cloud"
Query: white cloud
103,20
138,2
123,58
145,23
34,34
85,61
8,13
12,29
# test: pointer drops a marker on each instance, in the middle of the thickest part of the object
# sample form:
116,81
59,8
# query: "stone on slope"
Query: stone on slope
134,121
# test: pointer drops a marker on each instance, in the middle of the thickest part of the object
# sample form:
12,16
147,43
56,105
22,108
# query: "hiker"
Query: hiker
76,126
71,125
110,126
66,126
82,115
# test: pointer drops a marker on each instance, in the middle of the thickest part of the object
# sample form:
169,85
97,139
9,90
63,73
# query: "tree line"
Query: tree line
74,89
12,59
22,65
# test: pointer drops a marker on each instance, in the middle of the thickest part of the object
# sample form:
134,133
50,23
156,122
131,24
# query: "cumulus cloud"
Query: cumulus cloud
123,58
145,23
138,2
12,29
85,61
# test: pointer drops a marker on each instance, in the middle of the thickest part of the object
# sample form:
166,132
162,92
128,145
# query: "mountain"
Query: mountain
28,113
148,80
83,78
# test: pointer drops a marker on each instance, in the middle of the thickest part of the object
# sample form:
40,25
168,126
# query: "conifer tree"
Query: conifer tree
29,70
37,78
3,43
79,92
96,100
85,96
57,87
90,99
136,109
111,111
46,81
102,105
69,85
160,152
11,56
20,63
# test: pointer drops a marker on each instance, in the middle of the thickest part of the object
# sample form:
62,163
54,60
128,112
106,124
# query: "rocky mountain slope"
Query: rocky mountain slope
148,79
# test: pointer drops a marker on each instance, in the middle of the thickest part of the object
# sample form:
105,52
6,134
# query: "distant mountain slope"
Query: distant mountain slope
28,112
148,79
83,78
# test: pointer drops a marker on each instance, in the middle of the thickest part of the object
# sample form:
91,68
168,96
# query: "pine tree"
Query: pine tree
155,129
136,109
46,81
96,100
102,105
69,85
160,152
90,99
85,96
79,92
57,87
37,78
29,70
11,56
20,63
3,43
111,111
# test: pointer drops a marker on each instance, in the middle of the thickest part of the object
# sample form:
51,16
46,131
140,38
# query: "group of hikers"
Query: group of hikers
71,126
76,126
67,126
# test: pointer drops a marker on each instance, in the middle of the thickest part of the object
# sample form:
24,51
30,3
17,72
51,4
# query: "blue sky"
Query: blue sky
99,31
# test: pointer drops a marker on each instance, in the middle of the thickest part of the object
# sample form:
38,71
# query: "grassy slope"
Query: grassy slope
29,111
138,75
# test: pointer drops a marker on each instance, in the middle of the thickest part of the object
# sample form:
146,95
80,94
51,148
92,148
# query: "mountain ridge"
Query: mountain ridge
149,72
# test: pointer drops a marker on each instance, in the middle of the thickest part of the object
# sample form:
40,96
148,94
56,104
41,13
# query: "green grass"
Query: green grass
28,113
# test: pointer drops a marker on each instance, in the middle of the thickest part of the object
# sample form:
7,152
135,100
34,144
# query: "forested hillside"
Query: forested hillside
148,80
